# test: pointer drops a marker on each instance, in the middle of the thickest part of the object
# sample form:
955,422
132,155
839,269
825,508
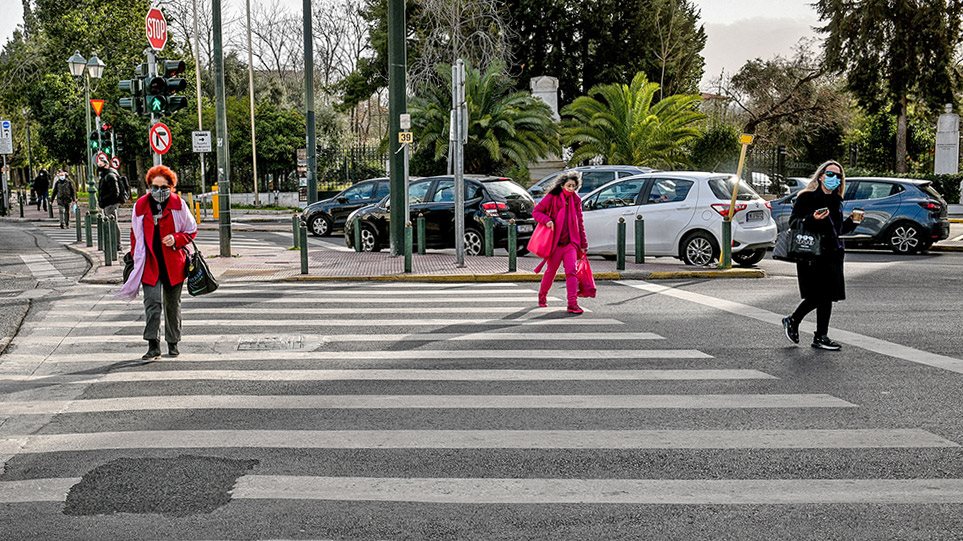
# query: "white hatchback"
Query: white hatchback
683,214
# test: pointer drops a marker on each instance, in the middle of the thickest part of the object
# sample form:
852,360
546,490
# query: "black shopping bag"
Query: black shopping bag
200,280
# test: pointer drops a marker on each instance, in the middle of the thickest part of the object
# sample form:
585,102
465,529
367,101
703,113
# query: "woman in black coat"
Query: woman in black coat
819,207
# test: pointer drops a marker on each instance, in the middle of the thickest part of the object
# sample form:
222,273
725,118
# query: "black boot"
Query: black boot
153,350
172,349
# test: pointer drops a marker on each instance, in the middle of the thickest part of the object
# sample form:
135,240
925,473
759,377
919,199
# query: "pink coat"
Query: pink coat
552,209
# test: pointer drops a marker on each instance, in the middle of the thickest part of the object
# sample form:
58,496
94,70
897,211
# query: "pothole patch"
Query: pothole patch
180,486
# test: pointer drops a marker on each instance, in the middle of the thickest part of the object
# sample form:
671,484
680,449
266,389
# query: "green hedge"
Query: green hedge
947,185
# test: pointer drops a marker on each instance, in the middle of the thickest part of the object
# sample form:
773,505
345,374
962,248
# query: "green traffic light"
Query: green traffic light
156,106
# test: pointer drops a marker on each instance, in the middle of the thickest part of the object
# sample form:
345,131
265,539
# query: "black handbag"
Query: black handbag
200,280
128,265
798,244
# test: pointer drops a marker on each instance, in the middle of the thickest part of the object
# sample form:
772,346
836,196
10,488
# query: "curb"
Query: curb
532,277
938,248
956,220
94,265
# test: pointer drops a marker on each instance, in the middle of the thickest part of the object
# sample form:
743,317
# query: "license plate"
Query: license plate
755,216
525,229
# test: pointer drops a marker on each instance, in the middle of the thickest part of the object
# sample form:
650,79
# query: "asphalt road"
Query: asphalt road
412,411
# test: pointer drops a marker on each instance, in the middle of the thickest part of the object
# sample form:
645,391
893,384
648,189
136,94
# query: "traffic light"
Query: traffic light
134,103
105,139
160,90
95,140
119,144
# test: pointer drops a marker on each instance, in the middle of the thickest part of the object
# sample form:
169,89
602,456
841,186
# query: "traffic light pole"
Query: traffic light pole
197,80
151,73
312,137
223,146
397,105
91,187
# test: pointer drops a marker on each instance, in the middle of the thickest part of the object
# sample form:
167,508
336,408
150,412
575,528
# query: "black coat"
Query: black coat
822,279
41,184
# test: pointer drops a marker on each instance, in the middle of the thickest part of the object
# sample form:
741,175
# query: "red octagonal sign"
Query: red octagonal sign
156,29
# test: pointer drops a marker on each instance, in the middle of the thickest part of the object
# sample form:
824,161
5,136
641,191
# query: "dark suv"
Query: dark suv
905,215
593,176
323,217
434,197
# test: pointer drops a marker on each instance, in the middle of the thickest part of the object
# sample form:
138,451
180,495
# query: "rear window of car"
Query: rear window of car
722,188
506,189
929,190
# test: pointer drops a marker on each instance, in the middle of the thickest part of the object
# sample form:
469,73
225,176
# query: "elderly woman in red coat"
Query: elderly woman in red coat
561,211
161,226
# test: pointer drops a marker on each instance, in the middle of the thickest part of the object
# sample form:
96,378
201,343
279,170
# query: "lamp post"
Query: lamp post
92,68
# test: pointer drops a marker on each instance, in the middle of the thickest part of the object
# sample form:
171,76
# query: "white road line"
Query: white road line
209,324
413,355
36,490
41,268
957,239
136,310
475,439
869,343
603,491
373,374
272,402
225,338
303,299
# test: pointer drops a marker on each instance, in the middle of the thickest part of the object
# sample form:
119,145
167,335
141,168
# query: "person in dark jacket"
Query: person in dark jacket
819,207
110,197
561,211
65,195
41,185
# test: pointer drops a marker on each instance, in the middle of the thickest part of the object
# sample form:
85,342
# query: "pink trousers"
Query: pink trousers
562,255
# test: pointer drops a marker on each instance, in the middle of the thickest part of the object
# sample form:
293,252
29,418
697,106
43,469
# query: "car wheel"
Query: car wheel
369,242
699,249
748,258
905,238
319,226
474,242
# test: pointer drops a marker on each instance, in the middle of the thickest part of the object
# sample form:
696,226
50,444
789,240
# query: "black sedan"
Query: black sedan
496,197
323,217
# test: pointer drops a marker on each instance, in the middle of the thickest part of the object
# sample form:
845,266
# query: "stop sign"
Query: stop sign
156,29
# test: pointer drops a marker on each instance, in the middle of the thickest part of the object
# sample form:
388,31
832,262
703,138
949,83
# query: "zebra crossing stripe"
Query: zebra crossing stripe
373,374
210,324
135,310
40,267
263,402
36,490
475,439
527,300
602,491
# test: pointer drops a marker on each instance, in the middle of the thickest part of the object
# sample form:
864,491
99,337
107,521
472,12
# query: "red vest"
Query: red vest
173,257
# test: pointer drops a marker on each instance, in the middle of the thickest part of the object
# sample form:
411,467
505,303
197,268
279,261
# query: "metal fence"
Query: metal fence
768,167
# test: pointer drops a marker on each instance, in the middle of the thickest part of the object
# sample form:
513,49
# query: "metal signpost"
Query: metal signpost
459,136
725,256
6,147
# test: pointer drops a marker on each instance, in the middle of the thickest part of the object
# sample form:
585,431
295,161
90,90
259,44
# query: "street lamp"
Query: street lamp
88,69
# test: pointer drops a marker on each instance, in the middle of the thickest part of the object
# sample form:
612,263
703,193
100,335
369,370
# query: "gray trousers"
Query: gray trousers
64,213
111,210
170,297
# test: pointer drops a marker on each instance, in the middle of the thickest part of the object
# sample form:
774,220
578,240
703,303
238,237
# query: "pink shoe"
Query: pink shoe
542,302
575,309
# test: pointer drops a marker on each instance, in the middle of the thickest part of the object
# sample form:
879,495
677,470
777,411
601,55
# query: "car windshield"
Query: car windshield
722,188
506,189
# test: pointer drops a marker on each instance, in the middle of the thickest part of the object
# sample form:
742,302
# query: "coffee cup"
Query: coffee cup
858,215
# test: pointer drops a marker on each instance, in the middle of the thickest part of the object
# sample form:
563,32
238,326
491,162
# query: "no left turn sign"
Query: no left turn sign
160,138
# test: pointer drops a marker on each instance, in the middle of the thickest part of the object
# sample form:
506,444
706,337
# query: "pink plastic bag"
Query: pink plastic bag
586,281
541,242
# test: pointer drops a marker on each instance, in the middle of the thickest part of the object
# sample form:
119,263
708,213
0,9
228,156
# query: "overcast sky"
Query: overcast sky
738,30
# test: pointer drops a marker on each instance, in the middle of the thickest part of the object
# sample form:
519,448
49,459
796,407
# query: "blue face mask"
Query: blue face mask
832,182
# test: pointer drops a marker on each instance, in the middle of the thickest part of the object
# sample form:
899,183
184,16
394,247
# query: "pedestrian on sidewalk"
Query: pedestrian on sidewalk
41,186
109,197
819,207
561,211
65,195
161,226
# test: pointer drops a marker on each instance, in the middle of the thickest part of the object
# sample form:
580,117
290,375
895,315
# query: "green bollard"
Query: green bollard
100,232
296,229
489,237
20,199
50,208
304,247
639,240
80,236
357,235
108,234
88,226
408,262
512,246
620,246
725,261
421,234
114,238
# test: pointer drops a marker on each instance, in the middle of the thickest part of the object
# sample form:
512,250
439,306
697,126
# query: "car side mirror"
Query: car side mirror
536,190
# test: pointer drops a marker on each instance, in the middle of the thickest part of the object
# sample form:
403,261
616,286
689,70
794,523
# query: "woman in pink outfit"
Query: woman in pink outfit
561,211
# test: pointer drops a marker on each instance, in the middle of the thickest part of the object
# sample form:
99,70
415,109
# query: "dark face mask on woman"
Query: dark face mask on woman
160,194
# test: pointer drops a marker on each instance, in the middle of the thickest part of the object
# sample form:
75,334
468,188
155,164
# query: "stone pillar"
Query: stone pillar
546,89
947,160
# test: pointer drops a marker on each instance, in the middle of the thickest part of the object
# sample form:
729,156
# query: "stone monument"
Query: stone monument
947,143
546,89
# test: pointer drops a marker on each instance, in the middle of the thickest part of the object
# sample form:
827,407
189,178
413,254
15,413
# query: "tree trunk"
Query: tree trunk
901,165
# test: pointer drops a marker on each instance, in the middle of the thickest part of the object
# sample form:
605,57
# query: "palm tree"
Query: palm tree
622,124
506,128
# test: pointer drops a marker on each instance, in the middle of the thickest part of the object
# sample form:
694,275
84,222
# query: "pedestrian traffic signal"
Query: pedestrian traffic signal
95,140
134,103
160,90
119,143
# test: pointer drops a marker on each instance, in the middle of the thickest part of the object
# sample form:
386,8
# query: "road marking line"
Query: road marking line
108,300
36,490
374,374
957,239
136,310
262,402
602,491
869,343
476,439
41,268
209,324
412,355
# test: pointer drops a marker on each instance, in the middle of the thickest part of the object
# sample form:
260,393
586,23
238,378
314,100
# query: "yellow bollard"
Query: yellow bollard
197,211
214,203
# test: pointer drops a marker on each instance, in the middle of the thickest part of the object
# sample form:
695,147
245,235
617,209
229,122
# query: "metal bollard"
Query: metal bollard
639,240
297,231
108,235
408,233
304,248
620,245
357,235
50,208
725,258
114,238
421,234
20,199
512,246
80,236
489,237
88,226
100,232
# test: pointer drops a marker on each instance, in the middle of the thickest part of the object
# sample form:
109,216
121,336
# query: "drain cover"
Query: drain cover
180,486
270,343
